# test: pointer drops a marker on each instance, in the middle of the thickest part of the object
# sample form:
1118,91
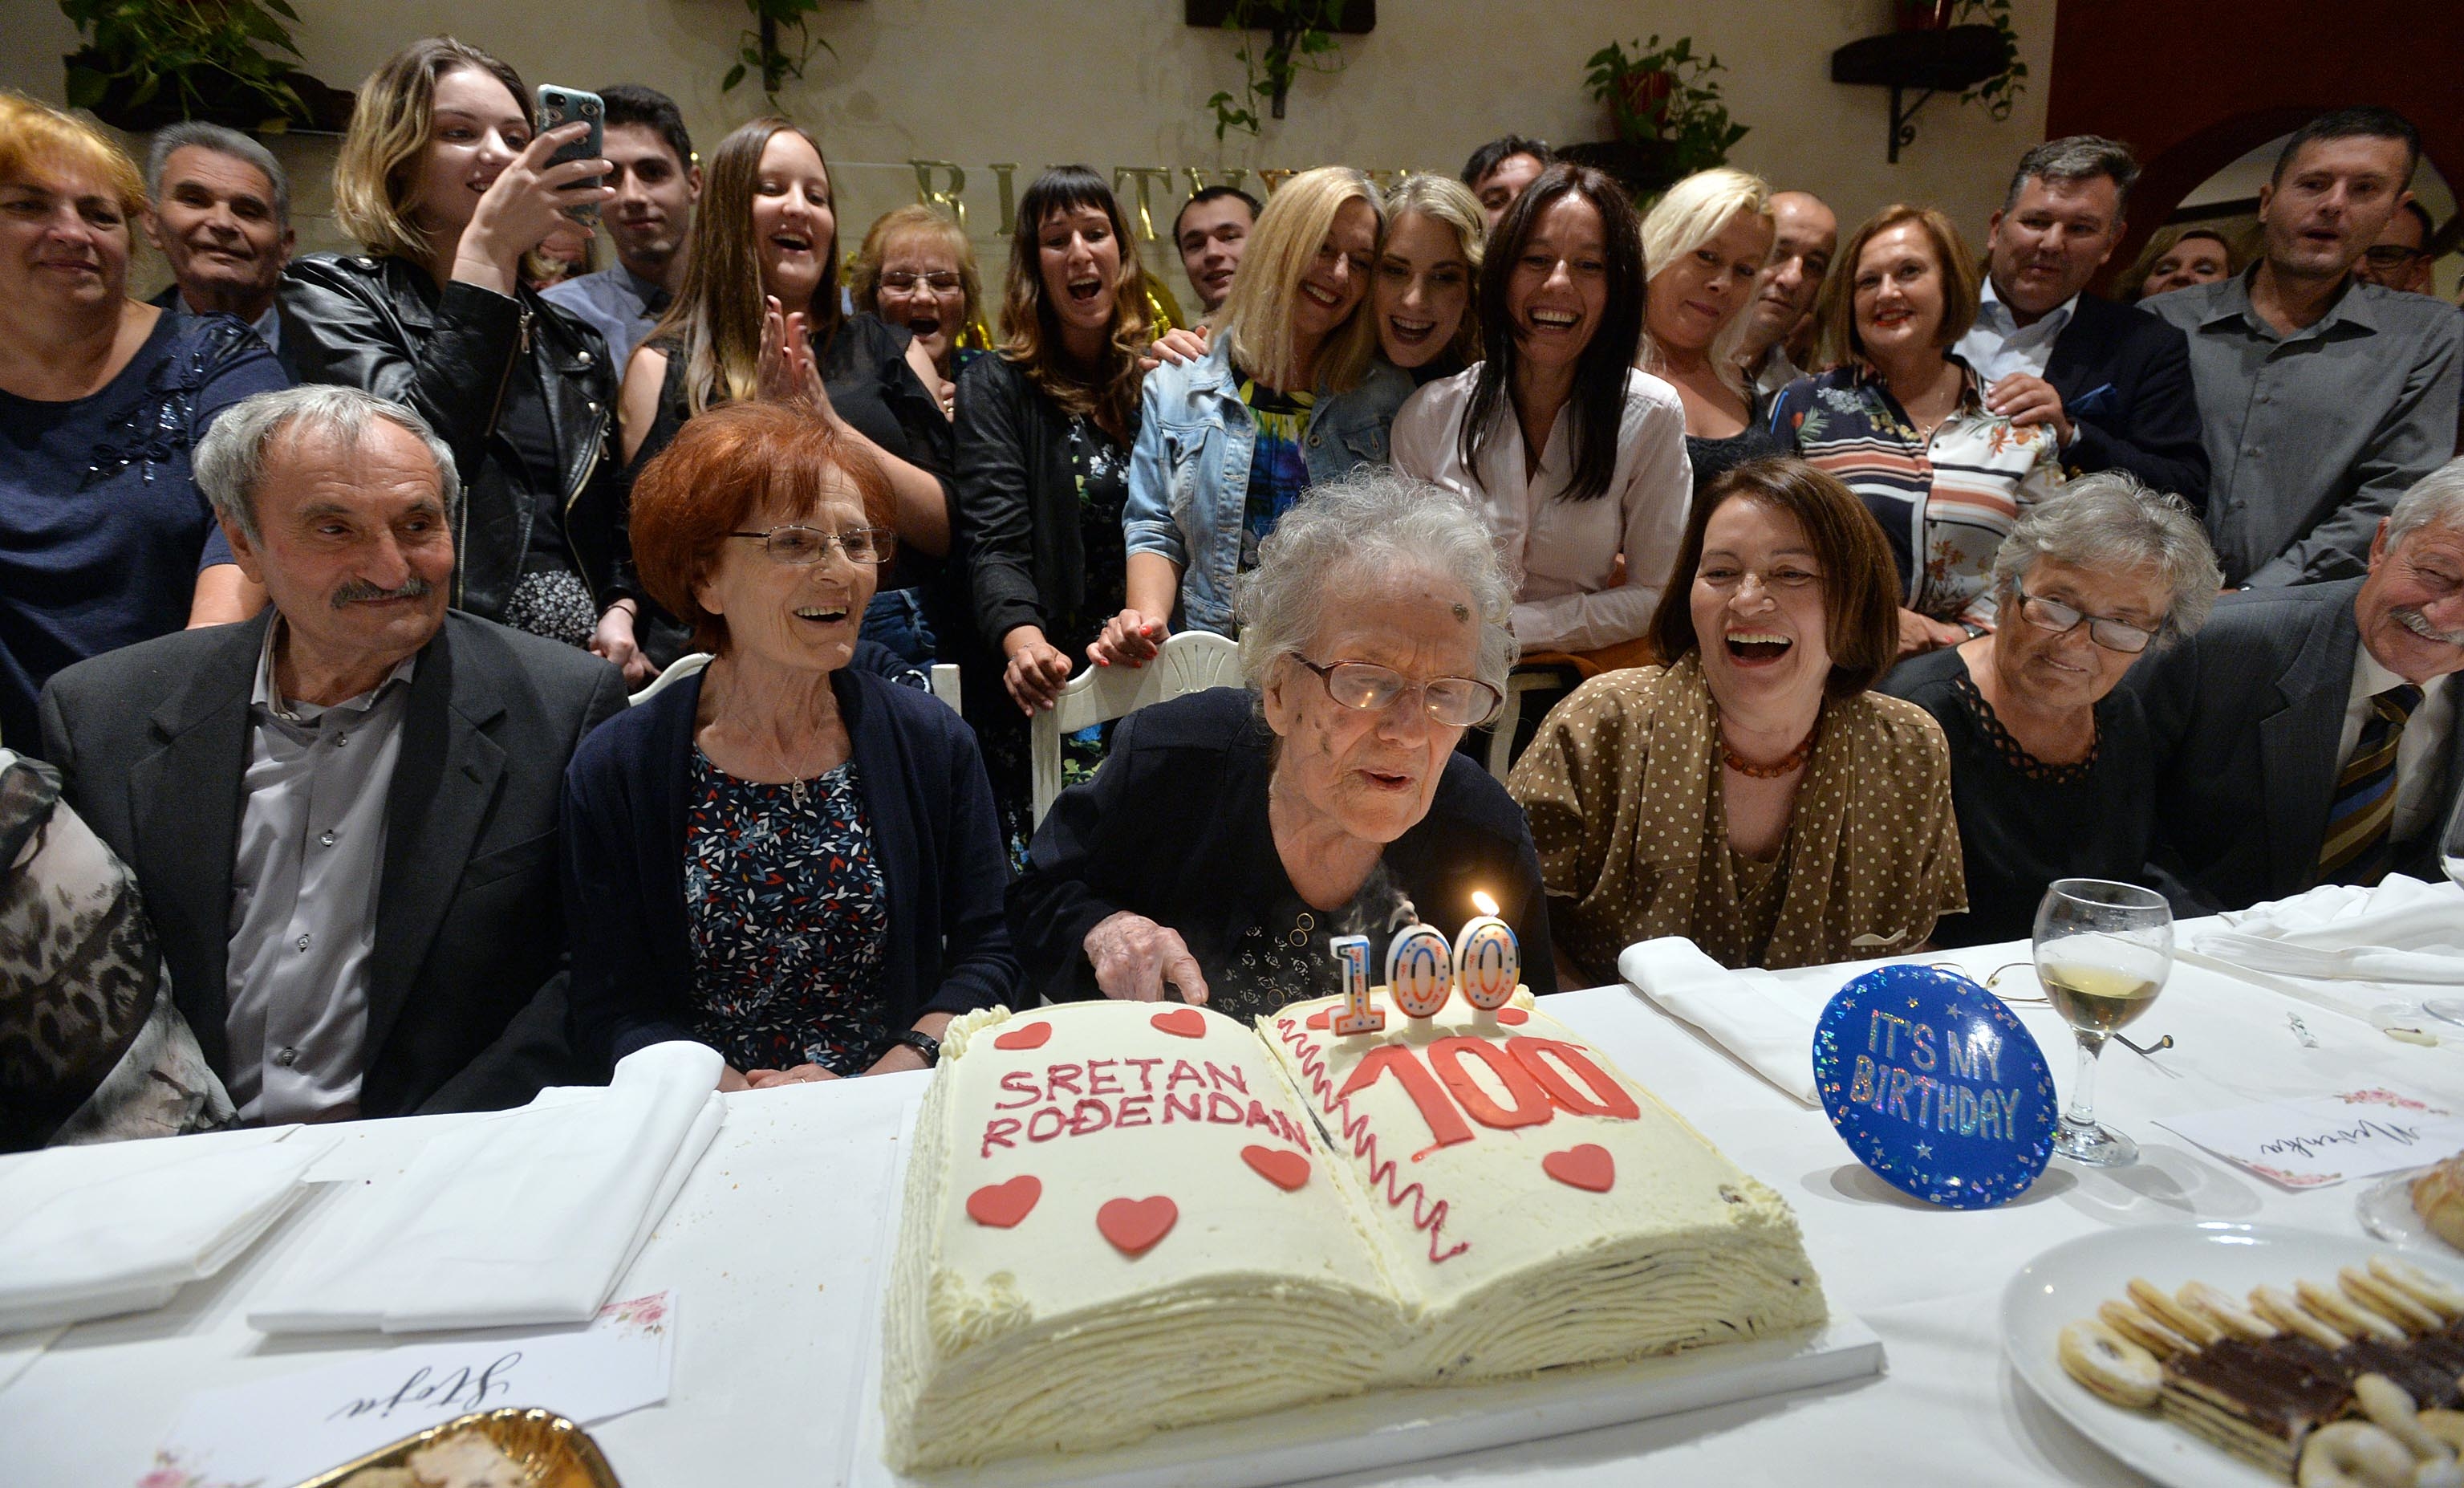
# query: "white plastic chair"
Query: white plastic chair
1501,738
684,666
1191,661
945,678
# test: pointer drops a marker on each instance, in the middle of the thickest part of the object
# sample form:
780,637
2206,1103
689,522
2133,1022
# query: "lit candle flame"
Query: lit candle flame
1482,902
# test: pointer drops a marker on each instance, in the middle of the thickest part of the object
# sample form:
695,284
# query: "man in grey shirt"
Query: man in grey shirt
2322,398
657,182
342,813
1805,237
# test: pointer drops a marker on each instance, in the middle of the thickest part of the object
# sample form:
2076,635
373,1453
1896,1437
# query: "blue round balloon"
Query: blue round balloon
1935,1086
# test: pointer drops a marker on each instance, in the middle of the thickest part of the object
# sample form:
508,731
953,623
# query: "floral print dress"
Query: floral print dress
790,920
1946,501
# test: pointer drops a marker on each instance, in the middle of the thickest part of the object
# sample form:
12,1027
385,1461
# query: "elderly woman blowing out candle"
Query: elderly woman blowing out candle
1231,833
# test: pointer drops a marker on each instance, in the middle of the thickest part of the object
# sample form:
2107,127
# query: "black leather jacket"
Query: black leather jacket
383,324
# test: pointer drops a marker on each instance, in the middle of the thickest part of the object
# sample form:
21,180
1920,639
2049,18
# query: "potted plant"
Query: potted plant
1300,36
764,50
146,63
1664,112
1997,92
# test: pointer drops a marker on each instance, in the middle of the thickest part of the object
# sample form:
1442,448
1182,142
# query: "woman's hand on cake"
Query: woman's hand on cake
731,1079
1134,958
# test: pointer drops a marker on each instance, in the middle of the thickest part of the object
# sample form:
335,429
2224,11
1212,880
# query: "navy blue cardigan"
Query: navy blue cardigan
932,825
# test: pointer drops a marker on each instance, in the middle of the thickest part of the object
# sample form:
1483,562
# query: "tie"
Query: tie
2356,848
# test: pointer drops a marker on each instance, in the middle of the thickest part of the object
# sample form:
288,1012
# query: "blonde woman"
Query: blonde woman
1428,261
759,317
917,271
1227,443
446,187
1706,241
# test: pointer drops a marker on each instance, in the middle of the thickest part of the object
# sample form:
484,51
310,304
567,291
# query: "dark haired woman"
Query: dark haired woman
1751,794
1576,459
1044,427
446,187
759,317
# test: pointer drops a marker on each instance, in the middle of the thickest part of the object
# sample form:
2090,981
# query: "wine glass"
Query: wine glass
2103,951
2451,860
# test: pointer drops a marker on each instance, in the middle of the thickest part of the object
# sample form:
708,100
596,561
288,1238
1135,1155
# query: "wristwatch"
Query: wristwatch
924,1044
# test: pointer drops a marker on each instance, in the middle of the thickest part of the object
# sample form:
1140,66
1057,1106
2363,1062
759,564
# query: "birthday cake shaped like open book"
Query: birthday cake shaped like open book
1124,1217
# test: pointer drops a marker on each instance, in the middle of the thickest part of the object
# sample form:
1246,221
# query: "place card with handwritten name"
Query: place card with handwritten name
2309,1143
294,1426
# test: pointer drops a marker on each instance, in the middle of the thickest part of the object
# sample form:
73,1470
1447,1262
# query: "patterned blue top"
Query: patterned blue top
102,531
1279,472
789,920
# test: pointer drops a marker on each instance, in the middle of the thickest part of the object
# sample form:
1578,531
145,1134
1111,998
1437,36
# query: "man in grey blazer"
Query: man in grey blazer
2272,726
342,813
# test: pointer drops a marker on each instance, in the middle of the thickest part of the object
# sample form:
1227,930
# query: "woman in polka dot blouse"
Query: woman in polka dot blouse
1751,794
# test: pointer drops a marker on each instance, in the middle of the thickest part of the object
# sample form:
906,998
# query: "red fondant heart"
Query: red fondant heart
1588,1166
1035,1036
1187,1022
1002,1205
1512,1014
1318,1018
1286,1170
1135,1225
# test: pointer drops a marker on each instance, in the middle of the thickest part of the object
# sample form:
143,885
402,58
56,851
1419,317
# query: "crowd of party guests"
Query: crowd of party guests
1855,588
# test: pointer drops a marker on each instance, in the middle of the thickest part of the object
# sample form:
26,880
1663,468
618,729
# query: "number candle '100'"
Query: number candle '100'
1422,971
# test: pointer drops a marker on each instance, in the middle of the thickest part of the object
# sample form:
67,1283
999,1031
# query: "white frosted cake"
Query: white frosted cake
1108,1200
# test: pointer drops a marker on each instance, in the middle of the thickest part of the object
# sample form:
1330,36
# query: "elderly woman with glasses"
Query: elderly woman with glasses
1231,833
2051,769
790,859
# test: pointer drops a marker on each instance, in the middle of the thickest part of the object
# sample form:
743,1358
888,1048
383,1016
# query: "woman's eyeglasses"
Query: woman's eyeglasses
1455,702
940,282
800,546
2052,614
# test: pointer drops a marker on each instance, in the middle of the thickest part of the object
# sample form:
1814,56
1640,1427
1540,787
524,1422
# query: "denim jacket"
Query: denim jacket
1189,472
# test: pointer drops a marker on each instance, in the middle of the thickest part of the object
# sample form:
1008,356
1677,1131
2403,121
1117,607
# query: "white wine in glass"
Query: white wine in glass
2103,952
2451,860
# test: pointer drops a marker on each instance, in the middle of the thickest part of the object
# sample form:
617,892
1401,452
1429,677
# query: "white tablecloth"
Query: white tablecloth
774,1247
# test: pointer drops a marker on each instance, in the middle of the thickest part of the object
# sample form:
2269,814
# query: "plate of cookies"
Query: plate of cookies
2229,1353
2421,1206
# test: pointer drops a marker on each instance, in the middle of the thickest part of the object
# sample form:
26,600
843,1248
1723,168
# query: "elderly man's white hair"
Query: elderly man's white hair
2437,496
228,463
1371,523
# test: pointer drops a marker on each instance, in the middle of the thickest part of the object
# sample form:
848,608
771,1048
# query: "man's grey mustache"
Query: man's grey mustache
2418,623
360,591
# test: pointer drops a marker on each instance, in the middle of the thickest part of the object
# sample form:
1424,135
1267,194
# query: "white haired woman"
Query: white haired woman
1705,241
2052,772
1232,832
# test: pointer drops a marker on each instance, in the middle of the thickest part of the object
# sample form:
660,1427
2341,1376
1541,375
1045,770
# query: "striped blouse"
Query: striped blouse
1944,502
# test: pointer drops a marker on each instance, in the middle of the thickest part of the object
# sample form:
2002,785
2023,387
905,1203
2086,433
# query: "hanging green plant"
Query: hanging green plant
1300,38
764,50
186,59
1998,91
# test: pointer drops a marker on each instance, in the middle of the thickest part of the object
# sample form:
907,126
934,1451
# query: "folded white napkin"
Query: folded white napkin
1753,1014
2403,930
89,1232
526,1218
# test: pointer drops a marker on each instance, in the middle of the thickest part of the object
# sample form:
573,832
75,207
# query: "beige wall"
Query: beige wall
1123,82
